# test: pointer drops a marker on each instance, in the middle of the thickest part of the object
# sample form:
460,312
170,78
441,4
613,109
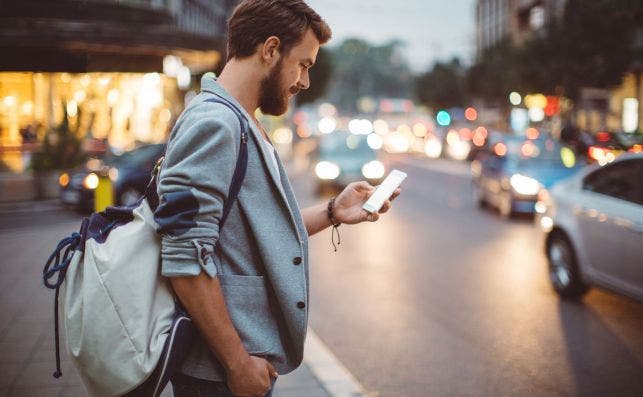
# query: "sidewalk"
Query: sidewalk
26,323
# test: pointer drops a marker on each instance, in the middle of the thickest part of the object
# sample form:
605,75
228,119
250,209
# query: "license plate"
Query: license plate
71,197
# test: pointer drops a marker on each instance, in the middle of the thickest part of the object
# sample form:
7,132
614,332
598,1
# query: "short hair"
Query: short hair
253,21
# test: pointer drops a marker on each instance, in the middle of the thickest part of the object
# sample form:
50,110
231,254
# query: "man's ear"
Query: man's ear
270,50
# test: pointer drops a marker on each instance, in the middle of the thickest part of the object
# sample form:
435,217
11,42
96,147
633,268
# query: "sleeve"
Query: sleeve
193,184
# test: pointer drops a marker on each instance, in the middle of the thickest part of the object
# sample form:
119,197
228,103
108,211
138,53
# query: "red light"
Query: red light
465,134
478,138
300,118
500,149
553,106
532,133
386,105
603,136
470,114
528,149
482,131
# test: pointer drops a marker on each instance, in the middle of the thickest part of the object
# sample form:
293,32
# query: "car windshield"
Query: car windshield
345,145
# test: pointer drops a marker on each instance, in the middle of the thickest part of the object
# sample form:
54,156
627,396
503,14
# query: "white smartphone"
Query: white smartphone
384,191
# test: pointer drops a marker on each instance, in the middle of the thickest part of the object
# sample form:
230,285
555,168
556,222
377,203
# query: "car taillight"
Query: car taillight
636,149
596,153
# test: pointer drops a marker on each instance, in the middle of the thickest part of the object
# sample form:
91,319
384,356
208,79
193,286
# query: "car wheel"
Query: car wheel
129,196
506,206
563,269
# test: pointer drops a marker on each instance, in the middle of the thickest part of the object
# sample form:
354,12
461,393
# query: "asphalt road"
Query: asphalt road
439,298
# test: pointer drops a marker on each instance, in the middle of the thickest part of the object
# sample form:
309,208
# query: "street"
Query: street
437,298
440,298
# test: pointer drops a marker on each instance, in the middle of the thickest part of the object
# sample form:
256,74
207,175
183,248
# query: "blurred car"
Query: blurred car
343,158
594,229
129,173
511,173
607,146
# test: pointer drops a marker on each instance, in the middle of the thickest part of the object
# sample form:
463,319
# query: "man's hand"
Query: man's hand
348,205
251,377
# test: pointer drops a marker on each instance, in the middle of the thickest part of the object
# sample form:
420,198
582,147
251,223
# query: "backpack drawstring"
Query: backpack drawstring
55,265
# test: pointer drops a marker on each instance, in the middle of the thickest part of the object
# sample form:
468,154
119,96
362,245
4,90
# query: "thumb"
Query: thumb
272,370
363,186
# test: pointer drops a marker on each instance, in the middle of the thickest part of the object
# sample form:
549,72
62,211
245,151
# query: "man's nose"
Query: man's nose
304,81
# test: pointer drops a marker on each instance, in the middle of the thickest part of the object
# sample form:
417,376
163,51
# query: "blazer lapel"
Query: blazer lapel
209,84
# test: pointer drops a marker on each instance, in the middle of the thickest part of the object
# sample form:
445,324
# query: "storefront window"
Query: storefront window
119,109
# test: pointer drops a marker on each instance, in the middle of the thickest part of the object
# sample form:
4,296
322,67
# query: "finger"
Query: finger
373,217
395,194
272,370
385,207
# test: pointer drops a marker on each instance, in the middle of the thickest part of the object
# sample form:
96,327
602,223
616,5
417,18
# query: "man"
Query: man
249,297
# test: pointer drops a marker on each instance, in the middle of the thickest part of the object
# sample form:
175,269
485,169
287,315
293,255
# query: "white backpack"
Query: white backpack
123,329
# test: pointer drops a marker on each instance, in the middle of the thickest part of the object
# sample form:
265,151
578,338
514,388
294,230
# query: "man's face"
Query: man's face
288,76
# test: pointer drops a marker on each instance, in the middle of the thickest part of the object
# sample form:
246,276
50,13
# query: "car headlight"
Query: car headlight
373,170
63,180
433,148
459,150
326,170
524,185
91,181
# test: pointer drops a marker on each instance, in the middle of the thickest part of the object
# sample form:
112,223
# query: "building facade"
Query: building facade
116,70
514,20
617,108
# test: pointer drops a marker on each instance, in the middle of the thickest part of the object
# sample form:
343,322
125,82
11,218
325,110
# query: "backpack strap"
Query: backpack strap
242,160
239,170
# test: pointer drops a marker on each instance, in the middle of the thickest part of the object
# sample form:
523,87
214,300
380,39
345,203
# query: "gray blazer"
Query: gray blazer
262,257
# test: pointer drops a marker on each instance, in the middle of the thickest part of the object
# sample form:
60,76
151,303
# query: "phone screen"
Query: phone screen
384,191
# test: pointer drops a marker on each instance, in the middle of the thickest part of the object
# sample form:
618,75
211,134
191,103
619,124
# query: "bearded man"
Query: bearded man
245,285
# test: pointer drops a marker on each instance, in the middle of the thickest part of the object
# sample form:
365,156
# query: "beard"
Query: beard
273,98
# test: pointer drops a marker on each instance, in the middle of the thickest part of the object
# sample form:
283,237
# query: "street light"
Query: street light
515,98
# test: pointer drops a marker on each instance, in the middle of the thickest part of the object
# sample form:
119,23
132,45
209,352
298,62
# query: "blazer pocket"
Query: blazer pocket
248,304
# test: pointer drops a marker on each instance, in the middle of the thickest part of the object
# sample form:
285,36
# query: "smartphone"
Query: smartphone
384,191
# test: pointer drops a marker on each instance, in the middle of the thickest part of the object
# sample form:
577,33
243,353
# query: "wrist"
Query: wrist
331,214
237,363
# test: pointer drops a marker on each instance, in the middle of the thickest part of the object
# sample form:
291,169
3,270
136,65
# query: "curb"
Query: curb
329,371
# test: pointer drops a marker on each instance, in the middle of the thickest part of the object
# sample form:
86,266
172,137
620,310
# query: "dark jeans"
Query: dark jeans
187,386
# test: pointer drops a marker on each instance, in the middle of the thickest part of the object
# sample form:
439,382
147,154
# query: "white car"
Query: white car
594,229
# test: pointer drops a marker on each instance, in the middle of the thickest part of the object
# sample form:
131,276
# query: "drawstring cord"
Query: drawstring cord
55,265
332,238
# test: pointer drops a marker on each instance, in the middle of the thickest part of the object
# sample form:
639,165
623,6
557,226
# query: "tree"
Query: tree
496,73
361,69
591,46
442,87
596,42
